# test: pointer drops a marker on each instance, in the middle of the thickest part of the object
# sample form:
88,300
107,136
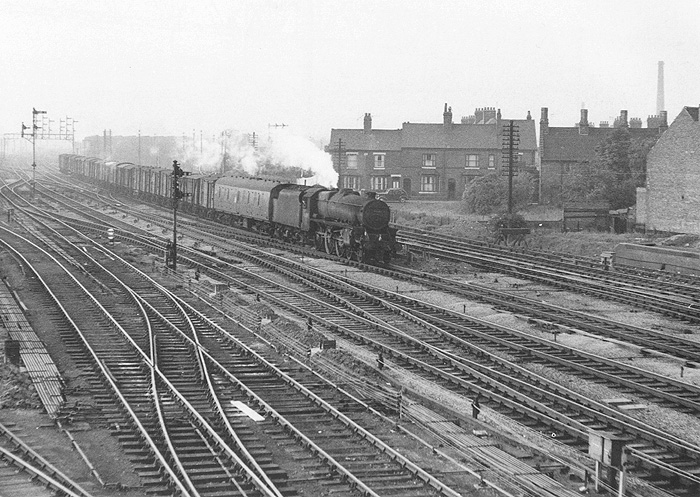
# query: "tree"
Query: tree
488,194
614,175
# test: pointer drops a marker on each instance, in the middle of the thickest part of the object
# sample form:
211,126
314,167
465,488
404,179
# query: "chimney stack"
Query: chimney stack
583,123
544,129
447,116
544,120
621,120
664,121
368,123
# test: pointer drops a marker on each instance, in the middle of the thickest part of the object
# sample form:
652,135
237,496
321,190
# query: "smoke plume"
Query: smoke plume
285,156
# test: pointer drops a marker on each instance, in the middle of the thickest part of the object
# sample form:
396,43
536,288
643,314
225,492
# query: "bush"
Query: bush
489,194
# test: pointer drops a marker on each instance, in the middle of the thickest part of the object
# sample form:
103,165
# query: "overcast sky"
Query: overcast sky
168,67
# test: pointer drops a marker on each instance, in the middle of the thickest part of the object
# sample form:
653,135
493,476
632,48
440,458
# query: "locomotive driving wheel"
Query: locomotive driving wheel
328,239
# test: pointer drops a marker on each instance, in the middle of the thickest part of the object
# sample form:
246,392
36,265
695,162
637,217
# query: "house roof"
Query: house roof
693,111
460,136
434,136
357,139
567,144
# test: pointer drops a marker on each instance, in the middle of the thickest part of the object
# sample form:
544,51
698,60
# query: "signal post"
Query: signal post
176,195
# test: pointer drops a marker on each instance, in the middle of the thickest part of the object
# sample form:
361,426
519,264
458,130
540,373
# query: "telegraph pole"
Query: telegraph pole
511,140
32,138
340,150
253,140
177,195
139,161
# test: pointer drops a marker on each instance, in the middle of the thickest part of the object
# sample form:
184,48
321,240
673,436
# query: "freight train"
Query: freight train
337,221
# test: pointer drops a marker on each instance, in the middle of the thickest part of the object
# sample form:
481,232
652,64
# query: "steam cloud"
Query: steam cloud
284,155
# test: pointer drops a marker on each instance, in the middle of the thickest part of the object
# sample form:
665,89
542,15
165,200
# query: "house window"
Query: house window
352,161
396,181
492,161
351,182
472,161
379,161
378,183
428,183
429,160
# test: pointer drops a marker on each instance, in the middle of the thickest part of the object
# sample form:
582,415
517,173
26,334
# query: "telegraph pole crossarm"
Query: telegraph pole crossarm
511,139
340,150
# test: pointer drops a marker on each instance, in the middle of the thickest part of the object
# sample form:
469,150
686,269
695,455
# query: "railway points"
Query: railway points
250,294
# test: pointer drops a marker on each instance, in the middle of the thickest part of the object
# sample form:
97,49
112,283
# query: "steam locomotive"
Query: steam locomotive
341,222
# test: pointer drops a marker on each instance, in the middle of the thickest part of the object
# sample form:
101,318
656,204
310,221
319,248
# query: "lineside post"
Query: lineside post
177,194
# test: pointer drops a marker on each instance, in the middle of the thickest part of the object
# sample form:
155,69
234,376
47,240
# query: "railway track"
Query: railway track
427,356
25,473
640,450
673,299
654,291
127,368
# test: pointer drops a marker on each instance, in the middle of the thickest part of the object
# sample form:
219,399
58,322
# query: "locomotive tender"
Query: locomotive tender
341,222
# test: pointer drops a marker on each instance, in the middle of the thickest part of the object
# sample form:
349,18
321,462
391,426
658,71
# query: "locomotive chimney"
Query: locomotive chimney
368,123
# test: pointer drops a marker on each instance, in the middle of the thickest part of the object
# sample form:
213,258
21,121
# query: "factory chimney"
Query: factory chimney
660,90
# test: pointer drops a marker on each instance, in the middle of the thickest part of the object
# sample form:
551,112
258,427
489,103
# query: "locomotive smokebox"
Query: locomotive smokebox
347,206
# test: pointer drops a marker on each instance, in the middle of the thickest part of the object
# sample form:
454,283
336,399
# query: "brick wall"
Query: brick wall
673,178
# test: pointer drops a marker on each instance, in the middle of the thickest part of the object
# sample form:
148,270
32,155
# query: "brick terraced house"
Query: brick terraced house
429,161
670,200
562,149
